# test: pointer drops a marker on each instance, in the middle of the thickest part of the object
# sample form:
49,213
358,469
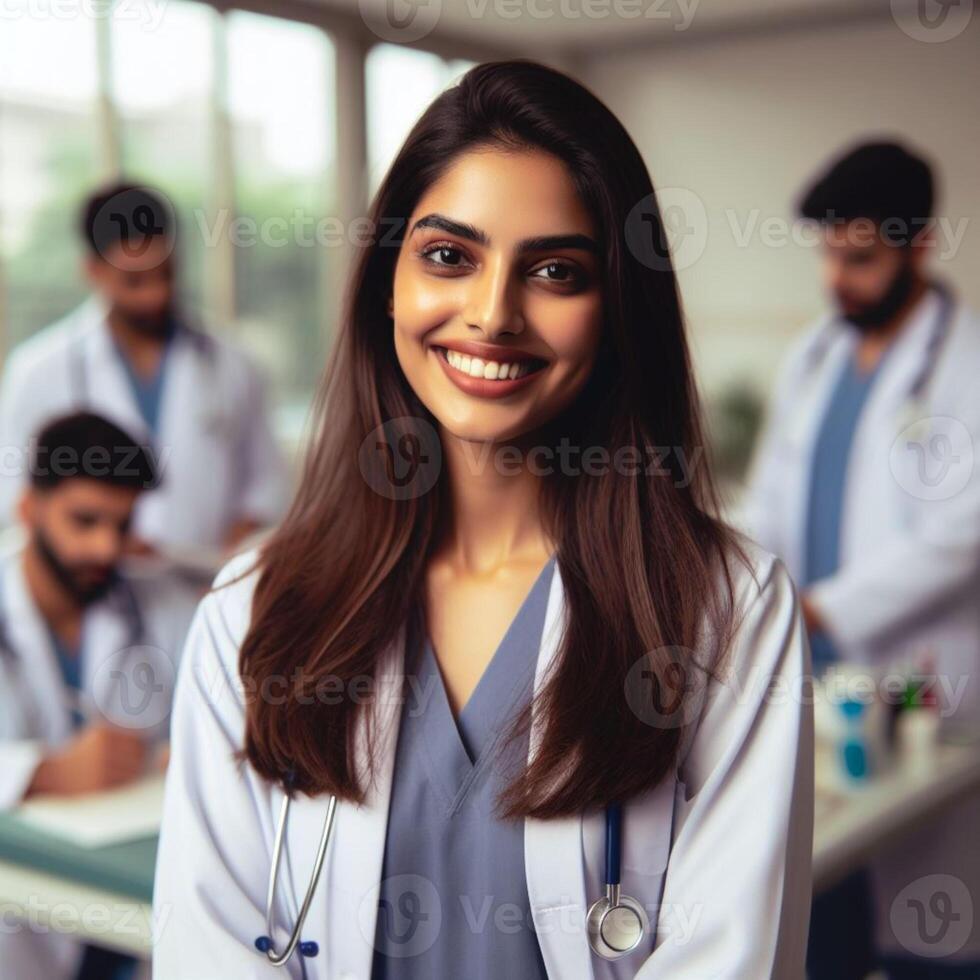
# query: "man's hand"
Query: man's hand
137,546
811,615
99,757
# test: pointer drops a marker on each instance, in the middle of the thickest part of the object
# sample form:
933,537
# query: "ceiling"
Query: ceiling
582,26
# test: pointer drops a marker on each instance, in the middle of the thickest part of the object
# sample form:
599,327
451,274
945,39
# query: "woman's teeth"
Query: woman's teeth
476,367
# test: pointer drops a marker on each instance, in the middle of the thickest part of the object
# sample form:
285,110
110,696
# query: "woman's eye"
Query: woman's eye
444,255
559,272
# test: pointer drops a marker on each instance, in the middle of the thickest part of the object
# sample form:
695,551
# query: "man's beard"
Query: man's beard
876,315
67,577
159,325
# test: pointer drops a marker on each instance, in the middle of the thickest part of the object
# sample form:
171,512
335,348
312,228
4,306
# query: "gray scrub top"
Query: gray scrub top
453,901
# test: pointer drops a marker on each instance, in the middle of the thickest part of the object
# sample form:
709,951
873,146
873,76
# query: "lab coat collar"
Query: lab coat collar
106,376
347,899
905,354
909,349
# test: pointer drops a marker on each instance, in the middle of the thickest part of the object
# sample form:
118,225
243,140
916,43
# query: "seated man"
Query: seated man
87,658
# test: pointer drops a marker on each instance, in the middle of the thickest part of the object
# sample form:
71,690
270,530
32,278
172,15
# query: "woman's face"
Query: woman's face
496,299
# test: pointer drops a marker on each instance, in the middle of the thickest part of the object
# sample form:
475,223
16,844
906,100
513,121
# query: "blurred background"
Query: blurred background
293,118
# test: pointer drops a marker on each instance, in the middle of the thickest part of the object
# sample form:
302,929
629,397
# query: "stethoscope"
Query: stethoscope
616,923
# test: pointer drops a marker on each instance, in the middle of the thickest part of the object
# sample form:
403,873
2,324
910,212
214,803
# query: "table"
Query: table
852,826
103,894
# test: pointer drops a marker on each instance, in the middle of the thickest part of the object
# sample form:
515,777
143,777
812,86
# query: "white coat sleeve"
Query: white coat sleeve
215,841
933,560
19,756
19,759
264,486
736,899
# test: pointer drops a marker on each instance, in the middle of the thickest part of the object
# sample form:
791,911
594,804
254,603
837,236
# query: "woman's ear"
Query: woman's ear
391,306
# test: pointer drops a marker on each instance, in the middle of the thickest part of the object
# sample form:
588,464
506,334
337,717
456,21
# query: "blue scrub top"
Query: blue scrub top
70,664
828,473
148,392
453,899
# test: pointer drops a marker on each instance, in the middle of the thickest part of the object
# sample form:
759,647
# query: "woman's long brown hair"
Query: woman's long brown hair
641,555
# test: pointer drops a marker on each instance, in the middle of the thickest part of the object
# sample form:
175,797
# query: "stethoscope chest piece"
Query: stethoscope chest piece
617,925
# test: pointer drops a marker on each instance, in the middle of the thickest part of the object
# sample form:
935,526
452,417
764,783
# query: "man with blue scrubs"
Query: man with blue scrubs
885,553
88,655
132,354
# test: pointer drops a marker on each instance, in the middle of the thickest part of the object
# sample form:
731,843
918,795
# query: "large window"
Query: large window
161,85
230,115
280,101
49,157
401,82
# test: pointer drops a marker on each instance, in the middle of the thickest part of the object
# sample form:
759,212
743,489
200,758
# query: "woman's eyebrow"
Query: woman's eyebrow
540,243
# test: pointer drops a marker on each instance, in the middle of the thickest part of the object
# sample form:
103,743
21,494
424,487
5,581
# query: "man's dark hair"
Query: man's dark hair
127,214
86,445
881,181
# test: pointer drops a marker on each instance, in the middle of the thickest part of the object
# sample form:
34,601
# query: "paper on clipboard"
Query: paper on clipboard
98,819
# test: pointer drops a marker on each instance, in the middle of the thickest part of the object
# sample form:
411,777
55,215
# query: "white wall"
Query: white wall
743,122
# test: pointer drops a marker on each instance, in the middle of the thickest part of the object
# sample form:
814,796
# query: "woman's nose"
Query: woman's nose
494,301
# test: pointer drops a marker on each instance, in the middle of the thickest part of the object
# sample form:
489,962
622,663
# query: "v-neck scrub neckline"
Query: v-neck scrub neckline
453,899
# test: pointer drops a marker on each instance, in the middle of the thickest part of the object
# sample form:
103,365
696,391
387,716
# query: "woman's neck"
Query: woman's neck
494,504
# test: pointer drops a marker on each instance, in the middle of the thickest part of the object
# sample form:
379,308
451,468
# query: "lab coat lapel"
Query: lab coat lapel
904,361
111,693
192,406
553,858
344,907
888,412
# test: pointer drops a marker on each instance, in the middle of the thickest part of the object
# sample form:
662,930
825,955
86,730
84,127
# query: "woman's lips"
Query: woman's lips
488,387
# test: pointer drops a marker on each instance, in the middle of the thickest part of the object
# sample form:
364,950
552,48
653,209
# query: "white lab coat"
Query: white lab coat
724,852
909,577
35,712
218,456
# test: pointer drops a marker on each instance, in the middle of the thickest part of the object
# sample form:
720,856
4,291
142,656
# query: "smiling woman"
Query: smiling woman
476,267
517,685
